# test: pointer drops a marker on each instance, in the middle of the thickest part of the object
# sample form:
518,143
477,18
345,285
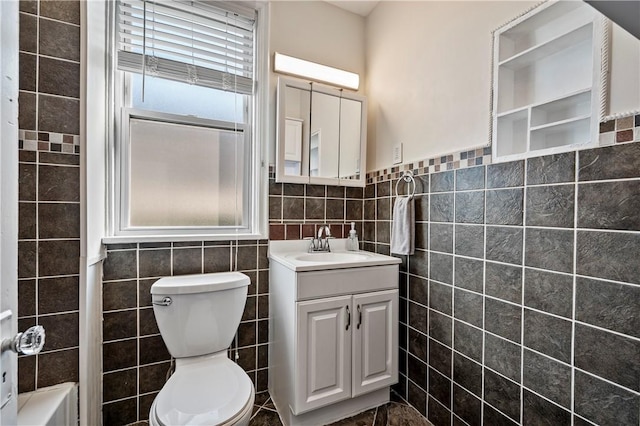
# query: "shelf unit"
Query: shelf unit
546,81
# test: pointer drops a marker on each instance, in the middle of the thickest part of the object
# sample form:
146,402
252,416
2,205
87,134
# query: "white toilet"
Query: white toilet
198,316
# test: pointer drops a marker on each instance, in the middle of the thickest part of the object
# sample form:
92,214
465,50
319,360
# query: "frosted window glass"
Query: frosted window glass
185,175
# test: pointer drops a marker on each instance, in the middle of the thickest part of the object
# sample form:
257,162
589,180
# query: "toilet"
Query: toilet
198,316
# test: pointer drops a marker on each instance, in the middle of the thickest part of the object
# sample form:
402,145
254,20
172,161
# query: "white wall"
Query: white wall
425,68
624,67
319,32
429,75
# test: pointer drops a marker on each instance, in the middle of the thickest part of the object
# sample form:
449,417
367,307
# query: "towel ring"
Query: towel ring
408,178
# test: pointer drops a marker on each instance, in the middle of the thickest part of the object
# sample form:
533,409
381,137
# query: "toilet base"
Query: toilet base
241,419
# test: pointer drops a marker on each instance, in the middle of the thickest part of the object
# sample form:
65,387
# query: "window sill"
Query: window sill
128,239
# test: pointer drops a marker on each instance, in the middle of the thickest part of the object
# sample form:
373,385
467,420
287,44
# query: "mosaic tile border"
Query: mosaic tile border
620,130
30,140
457,160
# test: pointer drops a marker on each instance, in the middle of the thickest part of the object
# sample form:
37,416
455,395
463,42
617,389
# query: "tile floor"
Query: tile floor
394,413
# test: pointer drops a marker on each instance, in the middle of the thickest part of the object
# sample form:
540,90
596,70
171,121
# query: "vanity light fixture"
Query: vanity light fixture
301,68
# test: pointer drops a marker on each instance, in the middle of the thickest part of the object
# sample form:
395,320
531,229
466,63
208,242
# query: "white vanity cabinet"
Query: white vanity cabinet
346,347
333,343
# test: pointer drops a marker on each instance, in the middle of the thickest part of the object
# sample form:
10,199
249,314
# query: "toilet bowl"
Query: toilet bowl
198,316
207,391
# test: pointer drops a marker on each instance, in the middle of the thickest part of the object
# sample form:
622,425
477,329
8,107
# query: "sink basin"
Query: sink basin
330,257
294,255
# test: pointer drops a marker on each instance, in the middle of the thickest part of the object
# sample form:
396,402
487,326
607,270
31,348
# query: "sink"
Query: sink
294,255
330,257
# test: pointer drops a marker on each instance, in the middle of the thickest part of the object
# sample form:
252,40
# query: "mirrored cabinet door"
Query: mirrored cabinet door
294,117
351,139
324,148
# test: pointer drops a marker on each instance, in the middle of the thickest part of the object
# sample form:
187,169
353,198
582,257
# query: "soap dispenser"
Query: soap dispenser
352,242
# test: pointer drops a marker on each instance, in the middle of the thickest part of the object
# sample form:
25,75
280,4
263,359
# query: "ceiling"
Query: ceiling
360,7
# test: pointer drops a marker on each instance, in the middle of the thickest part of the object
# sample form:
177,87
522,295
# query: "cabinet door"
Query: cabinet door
375,341
323,357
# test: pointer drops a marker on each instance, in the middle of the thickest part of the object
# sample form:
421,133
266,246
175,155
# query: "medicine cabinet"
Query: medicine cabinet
321,134
547,81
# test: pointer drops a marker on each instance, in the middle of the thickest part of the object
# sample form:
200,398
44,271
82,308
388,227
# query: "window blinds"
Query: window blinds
190,41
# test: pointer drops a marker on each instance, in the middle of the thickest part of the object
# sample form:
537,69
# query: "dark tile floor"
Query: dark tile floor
394,413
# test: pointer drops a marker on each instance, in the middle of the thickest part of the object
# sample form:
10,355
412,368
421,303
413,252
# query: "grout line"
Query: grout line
484,292
53,95
525,191
138,333
574,283
37,216
617,385
607,330
428,339
453,275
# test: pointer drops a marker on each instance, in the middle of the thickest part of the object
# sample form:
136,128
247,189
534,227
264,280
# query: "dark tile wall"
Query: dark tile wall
296,210
521,304
49,189
135,359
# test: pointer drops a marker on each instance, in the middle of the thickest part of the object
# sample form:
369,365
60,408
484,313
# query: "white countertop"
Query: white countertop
294,255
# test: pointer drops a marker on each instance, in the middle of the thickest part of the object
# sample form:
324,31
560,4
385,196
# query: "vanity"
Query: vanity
333,331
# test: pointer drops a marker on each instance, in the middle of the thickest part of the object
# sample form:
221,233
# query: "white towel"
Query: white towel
403,226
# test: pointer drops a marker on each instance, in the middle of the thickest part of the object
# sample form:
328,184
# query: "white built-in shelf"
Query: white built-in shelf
559,123
540,26
546,81
564,108
555,45
512,111
570,133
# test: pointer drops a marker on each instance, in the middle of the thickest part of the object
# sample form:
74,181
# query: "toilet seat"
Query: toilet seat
211,391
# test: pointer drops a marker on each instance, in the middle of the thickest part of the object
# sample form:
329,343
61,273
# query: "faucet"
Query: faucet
320,243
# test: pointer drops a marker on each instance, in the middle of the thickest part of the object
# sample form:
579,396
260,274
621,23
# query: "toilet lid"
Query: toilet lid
208,393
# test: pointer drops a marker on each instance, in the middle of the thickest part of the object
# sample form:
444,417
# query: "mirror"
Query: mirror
324,150
350,139
321,134
296,113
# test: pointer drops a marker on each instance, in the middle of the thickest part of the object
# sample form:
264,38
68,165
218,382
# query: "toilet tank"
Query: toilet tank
203,314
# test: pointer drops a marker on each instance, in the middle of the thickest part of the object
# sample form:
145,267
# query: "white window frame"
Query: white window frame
256,173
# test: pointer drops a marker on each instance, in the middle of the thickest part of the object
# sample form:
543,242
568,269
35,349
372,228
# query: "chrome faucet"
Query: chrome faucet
320,243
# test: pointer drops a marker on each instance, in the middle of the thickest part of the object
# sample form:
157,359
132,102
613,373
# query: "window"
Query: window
186,157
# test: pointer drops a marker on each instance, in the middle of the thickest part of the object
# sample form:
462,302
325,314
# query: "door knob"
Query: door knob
28,343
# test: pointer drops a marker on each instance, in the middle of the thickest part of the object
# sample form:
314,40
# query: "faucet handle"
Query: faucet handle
324,229
312,245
